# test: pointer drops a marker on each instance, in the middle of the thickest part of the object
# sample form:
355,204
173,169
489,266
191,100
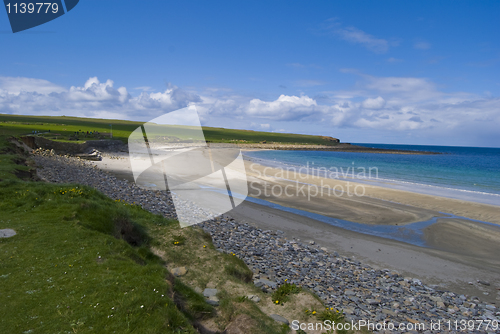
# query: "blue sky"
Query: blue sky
420,72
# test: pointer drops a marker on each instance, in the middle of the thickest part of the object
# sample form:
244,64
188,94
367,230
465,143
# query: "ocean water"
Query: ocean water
467,173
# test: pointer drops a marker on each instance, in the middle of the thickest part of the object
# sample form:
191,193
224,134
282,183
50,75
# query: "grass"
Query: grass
69,269
283,292
237,269
65,128
13,164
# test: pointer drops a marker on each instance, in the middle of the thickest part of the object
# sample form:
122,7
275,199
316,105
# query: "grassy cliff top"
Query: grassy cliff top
64,128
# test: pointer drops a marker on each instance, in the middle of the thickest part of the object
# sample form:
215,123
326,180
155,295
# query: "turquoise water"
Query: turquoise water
468,173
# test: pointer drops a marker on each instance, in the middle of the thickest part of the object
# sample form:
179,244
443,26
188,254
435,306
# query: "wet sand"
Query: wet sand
448,270
376,204
468,240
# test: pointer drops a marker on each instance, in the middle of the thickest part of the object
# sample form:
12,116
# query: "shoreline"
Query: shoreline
366,178
405,204
341,147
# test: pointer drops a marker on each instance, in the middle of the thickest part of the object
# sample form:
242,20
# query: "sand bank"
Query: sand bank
378,205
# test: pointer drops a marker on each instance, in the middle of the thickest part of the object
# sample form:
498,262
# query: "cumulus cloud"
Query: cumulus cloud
284,108
397,104
375,103
92,99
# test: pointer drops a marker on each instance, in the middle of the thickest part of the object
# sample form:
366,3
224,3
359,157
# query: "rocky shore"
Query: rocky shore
362,292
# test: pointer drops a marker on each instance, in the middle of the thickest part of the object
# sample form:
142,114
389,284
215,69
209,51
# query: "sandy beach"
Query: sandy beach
458,252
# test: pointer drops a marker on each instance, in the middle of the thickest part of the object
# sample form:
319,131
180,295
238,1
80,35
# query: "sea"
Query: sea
466,173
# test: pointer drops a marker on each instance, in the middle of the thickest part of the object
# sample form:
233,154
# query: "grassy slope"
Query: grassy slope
65,270
121,130
69,268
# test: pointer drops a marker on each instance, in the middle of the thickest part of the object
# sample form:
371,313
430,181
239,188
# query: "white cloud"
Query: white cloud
144,88
376,103
356,36
17,85
260,127
284,108
93,99
94,90
387,104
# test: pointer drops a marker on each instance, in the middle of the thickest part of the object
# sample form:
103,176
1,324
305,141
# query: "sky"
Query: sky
397,72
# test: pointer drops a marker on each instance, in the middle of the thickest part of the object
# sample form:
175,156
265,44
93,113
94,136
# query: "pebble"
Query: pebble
253,298
209,292
7,233
180,271
279,318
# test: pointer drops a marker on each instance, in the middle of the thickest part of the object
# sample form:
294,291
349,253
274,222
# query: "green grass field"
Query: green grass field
65,127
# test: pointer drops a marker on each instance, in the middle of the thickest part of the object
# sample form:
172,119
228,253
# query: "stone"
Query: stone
349,293
436,299
389,312
212,302
214,298
258,283
348,310
209,292
180,271
7,233
484,283
262,282
373,301
253,298
279,318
